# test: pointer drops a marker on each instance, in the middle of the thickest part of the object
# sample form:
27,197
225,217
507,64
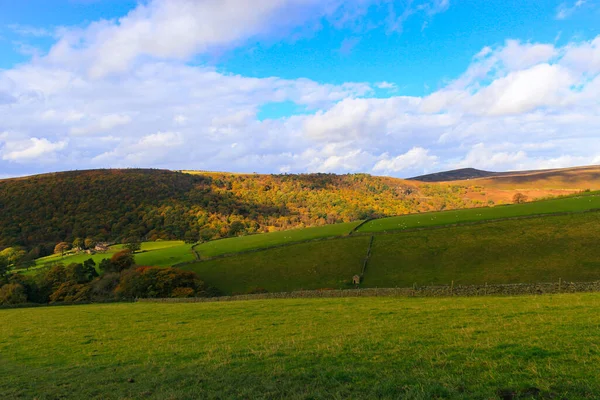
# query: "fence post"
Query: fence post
452,288
559,284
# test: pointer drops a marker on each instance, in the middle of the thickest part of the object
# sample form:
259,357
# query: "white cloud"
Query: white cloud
161,139
27,30
101,124
31,149
387,86
565,10
522,91
416,158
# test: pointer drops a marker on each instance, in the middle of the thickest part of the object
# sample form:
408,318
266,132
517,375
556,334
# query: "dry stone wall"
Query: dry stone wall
424,291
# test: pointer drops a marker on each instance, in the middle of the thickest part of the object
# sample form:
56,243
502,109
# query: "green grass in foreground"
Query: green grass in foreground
515,251
263,240
313,265
455,348
567,204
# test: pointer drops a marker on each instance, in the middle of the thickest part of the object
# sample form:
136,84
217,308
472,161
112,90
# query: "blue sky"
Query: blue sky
384,87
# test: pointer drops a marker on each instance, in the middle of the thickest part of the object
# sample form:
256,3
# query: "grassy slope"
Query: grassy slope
166,257
243,243
567,204
459,348
517,251
539,249
160,254
314,265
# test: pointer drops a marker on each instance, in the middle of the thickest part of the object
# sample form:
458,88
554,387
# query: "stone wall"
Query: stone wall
424,291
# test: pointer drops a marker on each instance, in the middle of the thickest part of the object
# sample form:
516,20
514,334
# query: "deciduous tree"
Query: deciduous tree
61,248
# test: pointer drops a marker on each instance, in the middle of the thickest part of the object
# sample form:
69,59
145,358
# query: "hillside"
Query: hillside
560,178
113,205
524,243
454,175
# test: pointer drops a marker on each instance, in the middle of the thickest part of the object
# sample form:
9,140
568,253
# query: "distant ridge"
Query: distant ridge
565,175
455,175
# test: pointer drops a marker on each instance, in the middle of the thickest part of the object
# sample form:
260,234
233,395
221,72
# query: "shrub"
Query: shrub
71,292
81,273
103,288
12,293
120,261
157,282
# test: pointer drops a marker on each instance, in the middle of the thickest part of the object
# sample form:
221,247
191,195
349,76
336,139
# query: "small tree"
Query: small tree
207,234
3,268
133,244
78,243
89,243
12,293
519,198
236,228
190,237
122,260
61,248
14,255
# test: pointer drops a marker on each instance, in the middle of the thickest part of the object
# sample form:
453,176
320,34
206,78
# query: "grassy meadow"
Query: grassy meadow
541,249
313,265
264,240
160,254
455,348
515,251
587,201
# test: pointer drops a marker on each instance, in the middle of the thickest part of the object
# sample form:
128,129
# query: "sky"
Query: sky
385,87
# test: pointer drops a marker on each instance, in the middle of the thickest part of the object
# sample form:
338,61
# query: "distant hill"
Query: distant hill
454,175
562,178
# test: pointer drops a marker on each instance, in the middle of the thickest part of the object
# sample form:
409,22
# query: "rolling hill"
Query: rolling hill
454,175
561,178
114,205
525,243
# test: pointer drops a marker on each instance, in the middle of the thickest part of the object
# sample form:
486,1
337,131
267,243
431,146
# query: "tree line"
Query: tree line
119,279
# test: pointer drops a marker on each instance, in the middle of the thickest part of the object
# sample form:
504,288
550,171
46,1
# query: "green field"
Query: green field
166,256
514,251
361,348
541,249
160,254
263,240
313,265
567,204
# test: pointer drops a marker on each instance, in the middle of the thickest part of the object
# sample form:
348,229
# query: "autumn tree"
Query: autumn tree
61,248
89,243
118,262
78,243
12,293
13,255
519,198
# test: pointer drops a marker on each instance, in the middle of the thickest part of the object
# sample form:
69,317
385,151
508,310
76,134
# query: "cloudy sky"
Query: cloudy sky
379,86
